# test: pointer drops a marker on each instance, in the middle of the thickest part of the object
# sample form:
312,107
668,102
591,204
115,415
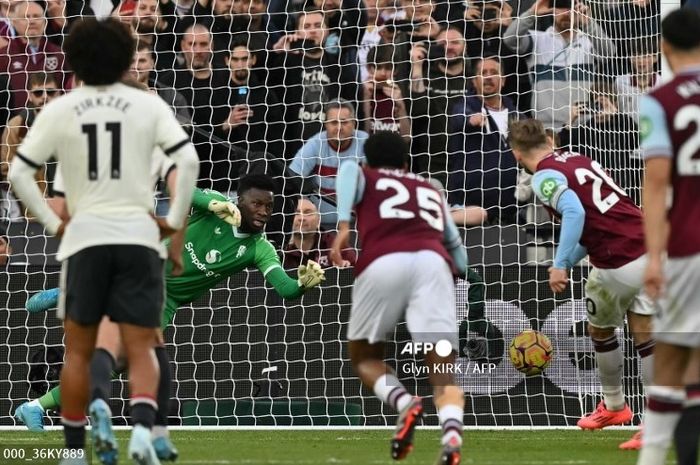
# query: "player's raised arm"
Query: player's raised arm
35,150
217,203
176,144
350,184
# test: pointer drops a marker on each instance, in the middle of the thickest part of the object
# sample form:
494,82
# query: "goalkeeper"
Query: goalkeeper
221,240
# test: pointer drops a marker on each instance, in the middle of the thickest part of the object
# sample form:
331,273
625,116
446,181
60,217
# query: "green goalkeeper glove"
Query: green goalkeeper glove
226,211
310,275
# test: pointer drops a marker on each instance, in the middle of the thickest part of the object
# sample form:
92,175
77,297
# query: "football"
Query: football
530,352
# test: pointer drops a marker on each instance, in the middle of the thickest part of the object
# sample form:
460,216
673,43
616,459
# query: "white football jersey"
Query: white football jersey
104,139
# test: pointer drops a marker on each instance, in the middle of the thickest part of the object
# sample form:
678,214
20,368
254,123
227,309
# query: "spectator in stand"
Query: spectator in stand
205,88
438,78
29,52
305,78
43,87
377,14
6,30
482,169
417,17
255,120
316,163
562,57
484,26
347,21
252,22
643,76
309,241
611,138
61,14
143,71
625,24
153,29
383,103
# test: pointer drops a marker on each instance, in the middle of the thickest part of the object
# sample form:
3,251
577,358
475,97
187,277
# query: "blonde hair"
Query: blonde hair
527,134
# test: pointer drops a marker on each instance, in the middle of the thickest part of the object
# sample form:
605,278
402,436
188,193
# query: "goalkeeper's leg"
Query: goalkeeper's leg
367,361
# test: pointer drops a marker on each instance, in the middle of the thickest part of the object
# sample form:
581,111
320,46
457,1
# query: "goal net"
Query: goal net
251,80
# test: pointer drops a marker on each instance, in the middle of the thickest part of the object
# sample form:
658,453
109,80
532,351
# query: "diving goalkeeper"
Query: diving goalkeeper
221,239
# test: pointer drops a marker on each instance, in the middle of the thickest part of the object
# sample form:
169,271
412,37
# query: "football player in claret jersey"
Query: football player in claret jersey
410,251
103,136
669,128
598,220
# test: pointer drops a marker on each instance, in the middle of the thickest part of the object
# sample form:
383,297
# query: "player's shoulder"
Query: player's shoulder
682,85
546,183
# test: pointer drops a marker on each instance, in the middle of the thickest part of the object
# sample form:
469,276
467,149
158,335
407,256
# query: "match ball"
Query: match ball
530,352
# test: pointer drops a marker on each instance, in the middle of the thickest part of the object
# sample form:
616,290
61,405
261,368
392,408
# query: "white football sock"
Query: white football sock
389,390
608,357
660,419
452,422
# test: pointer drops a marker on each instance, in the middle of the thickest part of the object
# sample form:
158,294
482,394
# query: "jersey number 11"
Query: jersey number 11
115,129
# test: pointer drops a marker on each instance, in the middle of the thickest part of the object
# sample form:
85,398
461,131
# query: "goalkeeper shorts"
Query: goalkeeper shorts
124,282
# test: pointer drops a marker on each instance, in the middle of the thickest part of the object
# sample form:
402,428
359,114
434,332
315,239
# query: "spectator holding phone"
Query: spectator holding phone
305,79
562,57
484,25
438,77
598,130
383,102
643,76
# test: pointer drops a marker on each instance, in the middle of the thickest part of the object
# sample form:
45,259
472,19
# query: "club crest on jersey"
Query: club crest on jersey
51,63
241,250
645,127
217,230
213,256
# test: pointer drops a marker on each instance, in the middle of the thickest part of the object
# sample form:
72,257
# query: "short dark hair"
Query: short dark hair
680,29
40,78
142,46
386,149
381,56
256,181
481,59
99,51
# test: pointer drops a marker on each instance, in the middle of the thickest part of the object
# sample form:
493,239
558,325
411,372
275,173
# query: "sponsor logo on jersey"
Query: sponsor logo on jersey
548,188
241,250
213,256
645,127
189,247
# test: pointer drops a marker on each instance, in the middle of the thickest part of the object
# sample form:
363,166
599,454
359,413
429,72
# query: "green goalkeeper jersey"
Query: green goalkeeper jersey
215,250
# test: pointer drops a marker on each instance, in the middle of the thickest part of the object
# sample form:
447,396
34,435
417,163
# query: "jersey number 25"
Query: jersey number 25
429,203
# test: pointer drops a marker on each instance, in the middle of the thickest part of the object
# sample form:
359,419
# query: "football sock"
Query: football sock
389,390
687,432
143,411
664,405
452,423
74,431
163,386
51,399
608,357
101,367
646,356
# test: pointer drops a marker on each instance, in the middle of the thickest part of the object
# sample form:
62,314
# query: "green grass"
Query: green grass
370,447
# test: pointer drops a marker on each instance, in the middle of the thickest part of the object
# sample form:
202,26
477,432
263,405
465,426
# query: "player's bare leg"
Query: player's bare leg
368,363
80,343
641,328
688,430
102,365
612,410
139,343
449,402
665,400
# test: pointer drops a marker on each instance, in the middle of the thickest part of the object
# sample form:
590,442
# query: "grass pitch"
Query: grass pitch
366,447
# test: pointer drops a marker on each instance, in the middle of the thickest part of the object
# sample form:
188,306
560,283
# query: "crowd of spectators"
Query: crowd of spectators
300,84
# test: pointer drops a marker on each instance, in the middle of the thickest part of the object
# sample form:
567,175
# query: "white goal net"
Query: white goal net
264,86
